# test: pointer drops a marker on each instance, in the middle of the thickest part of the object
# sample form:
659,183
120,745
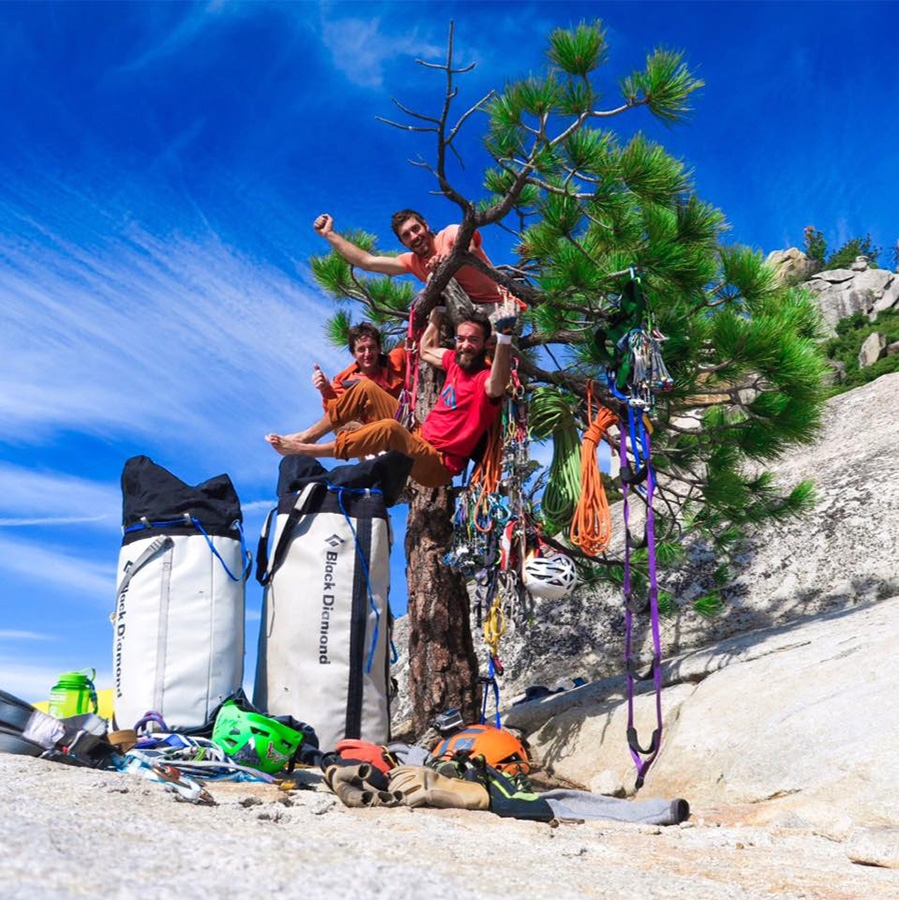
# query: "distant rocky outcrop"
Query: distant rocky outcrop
843,292
791,266
840,292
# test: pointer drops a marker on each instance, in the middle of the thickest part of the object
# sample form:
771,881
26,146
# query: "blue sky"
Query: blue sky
160,167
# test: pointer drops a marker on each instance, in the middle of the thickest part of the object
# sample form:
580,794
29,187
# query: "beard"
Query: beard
471,362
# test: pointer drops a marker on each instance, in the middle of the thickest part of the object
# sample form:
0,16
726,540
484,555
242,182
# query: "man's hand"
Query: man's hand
324,224
432,264
506,325
319,379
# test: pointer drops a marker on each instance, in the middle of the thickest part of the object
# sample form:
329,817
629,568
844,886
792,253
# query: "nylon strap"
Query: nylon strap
643,756
161,542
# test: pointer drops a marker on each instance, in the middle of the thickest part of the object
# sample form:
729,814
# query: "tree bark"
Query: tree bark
443,668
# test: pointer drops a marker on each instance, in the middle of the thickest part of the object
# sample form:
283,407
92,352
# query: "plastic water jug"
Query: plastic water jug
73,694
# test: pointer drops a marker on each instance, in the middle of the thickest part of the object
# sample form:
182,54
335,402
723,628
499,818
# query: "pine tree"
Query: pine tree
588,207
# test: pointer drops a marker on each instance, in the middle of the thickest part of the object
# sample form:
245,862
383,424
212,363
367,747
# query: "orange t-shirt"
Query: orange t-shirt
391,377
477,285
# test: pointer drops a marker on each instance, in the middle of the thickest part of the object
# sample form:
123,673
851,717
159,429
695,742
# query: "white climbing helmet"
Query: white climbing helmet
549,577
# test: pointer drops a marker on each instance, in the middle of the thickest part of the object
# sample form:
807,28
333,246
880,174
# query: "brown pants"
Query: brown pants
366,402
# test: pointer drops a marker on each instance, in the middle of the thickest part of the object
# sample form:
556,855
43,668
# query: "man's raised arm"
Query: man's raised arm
429,348
356,256
496,382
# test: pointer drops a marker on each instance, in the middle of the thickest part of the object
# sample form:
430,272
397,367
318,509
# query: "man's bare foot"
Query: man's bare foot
290,445
298,437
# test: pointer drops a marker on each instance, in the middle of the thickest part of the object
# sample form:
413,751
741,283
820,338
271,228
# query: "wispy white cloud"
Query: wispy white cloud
27,681
167,40
360,48
77,575
127,332
52,520
24,636
29,497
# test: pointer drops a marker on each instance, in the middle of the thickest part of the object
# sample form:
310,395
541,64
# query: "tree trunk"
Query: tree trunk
443,669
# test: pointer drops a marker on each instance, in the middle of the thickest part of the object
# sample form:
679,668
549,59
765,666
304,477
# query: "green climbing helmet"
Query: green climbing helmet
255,740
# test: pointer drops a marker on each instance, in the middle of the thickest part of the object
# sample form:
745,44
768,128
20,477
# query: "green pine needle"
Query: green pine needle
580,51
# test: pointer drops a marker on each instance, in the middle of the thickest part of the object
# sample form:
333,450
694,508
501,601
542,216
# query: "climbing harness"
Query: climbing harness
629,345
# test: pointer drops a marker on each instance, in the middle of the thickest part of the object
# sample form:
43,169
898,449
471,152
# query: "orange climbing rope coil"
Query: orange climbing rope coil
591,525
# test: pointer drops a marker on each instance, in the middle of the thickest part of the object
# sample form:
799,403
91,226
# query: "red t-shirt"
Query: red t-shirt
461,416
477,285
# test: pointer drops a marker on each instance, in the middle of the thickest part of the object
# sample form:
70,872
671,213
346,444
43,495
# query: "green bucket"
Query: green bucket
73,694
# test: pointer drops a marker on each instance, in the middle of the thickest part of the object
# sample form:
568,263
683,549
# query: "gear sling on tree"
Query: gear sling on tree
635,371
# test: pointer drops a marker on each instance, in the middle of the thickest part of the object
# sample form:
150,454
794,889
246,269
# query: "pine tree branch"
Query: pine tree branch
525,292
715,368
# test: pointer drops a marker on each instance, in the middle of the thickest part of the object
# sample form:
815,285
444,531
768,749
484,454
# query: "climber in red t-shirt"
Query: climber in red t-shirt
468,403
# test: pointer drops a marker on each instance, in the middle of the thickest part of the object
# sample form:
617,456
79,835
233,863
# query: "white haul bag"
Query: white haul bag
325,633
178,625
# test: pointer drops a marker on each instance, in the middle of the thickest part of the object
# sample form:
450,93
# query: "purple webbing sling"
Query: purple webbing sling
643,758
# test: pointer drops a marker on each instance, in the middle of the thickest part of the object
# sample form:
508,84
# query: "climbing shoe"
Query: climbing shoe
511,796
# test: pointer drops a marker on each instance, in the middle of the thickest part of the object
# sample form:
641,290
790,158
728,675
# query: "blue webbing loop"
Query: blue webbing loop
236,524
371,598
613,388
140,526
244,554
491,680
637,447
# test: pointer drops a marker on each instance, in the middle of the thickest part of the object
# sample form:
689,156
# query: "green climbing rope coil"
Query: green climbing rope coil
552,416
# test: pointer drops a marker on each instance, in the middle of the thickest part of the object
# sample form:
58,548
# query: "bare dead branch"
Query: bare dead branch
419,128
446,68
462,119
716,368
413,113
